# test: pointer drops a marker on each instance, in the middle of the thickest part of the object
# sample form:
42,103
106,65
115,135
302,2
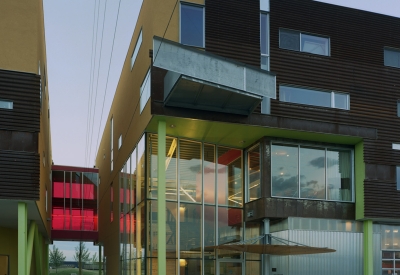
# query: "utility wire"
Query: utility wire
90,84
108,74
97,82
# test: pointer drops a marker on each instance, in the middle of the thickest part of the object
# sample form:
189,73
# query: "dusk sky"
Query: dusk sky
78,66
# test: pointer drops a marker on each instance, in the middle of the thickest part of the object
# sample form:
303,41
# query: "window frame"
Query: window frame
6,101
393,50
331,92
204,23
112,143
136,49
266,55
300,41
324,147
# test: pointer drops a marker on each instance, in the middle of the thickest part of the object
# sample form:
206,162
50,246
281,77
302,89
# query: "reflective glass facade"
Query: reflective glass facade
74,197
204,207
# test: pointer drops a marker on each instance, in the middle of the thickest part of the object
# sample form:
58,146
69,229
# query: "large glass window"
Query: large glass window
190,171
299,171
264,40
230,177
192,25
209,174
391,57
309,96
298,41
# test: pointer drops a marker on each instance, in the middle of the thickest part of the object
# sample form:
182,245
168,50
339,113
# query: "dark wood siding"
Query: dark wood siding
23,89
233,29
19,175
357,40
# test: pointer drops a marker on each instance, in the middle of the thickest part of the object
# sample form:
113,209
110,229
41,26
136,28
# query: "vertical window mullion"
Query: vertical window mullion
332,99
326,174
298,171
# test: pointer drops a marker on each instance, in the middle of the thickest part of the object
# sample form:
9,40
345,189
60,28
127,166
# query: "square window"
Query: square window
398,177
392,57
289,40
192,25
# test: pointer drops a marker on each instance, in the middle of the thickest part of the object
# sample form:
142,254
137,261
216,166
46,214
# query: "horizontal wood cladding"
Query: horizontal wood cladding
19,141
355,66
19,175
283,208
23,89
232,29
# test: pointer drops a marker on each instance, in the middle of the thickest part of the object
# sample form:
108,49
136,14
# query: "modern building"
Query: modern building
253,121
25,142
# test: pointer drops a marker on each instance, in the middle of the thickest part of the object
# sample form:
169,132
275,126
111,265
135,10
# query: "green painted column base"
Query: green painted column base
368,248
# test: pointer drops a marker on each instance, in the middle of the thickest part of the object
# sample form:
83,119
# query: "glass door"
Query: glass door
230,268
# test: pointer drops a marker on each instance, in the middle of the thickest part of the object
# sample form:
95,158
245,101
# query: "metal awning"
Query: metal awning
197,79
273,249
284,249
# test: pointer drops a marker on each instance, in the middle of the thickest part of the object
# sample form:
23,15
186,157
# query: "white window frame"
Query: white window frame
145,90
332,94
204,23
300,39
137,48
119,141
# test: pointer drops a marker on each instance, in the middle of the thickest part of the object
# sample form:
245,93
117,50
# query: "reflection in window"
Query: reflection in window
298,41
170,167
253,172
192,25
190,171
391,57
229,225
318,173
6,104
264,41
190,230
309,96
230,177
209,174
141,170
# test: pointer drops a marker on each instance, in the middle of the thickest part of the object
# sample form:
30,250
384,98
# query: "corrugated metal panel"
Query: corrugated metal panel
377,253
280,263
348,258
233,29
19,175
355,66
23,89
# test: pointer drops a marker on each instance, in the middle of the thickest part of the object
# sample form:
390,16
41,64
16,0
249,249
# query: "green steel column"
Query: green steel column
29,247
100,257
22,237
38,251
161,205
368,248
46,263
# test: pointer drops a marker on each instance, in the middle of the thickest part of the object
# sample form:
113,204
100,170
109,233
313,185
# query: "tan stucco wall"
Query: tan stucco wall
125,111
20,33
9,246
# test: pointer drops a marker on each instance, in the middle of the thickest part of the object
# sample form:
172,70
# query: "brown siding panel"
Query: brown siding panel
357,40
23,89
19,175
233,29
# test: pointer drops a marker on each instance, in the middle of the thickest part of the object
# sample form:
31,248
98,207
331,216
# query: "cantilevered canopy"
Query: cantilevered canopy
197,79
273,249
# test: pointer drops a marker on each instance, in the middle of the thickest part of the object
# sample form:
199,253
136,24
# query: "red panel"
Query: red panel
88,191
67,190
76,191
88,220
57,221
76,219
58,190
229,156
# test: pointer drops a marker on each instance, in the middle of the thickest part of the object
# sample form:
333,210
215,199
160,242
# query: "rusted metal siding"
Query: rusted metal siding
233,29
355,66
19,175
23,89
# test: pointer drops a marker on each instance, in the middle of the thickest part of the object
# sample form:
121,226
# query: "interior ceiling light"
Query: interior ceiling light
172,126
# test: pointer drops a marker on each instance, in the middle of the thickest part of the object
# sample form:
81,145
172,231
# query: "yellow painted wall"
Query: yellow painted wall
125,111
9,246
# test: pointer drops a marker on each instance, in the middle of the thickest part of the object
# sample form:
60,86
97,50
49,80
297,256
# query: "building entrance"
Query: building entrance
230,268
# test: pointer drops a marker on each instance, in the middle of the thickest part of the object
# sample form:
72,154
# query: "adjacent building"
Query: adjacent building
25,142
240,118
